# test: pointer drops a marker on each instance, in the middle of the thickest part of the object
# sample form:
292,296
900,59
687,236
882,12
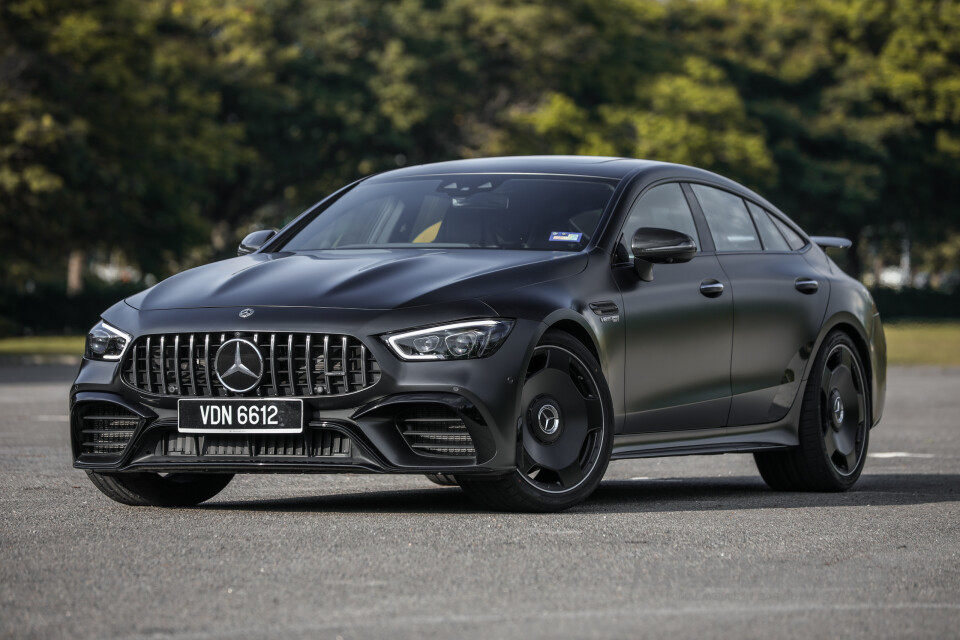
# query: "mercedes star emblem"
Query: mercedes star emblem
246,313
239,365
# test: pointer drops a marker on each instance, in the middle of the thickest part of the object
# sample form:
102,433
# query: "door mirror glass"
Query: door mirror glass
651,246
254,241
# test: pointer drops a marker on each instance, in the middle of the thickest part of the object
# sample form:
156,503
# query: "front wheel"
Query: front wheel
565,432
835,421
155,490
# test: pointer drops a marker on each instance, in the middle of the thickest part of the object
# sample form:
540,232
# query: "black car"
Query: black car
510,324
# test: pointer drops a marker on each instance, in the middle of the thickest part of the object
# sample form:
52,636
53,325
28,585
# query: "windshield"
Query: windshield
545,213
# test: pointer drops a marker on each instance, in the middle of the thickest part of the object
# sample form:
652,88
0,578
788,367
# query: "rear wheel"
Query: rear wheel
565,432
155,490
835,422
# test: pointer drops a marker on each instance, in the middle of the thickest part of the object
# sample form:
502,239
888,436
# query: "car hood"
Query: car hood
357,279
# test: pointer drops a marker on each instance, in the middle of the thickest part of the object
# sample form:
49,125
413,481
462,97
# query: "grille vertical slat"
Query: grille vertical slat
306,369
273,364
207,366
176,364
344,363
191,357
148,365
326,363
163,364
293,380
183,365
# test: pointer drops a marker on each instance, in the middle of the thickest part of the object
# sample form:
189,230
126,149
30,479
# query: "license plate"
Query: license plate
240,415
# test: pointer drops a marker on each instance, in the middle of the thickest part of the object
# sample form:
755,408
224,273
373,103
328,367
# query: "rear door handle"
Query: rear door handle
711,288
806,285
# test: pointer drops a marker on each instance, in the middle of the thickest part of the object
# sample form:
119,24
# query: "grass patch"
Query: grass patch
936,343
930,343
42,345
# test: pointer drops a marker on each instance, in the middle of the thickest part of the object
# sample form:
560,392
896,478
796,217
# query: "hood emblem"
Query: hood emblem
239,365
246,313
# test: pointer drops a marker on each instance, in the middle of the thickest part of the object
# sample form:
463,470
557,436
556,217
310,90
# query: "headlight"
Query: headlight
459,341
105,342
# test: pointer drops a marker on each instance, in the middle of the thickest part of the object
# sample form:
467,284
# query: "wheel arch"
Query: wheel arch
853,328
599,346
577,331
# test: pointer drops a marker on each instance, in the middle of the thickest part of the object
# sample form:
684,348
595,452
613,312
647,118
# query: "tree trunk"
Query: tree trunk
75,272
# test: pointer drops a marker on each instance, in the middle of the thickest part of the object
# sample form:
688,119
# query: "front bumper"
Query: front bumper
366,431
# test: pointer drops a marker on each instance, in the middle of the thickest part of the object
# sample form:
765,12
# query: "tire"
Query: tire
835,421
565,433
442,479
154,490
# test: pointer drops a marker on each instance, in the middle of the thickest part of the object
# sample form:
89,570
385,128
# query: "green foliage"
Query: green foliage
170,128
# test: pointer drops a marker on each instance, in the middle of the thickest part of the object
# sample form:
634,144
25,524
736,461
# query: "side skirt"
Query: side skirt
746,439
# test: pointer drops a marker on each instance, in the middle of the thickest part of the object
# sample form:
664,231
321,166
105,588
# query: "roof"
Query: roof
558,165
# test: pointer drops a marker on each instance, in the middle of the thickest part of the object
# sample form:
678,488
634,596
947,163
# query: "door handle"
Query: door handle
806,285
711,288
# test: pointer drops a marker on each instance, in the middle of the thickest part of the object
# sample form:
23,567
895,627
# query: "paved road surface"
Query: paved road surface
690,547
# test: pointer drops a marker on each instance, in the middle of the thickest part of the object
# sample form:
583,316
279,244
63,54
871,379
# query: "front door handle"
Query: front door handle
806,285
711,288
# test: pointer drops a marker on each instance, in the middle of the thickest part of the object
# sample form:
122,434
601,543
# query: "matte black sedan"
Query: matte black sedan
510,324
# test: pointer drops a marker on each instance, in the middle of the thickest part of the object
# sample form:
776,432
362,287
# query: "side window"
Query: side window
664,207
793,238
771,236
728,219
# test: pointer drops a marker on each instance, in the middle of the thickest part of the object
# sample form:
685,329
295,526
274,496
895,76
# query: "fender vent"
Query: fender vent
605,308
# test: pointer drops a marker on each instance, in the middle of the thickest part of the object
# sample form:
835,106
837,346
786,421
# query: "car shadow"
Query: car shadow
635,496
748,492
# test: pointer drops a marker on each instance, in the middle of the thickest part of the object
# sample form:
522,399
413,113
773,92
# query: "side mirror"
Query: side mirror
254,241
651,246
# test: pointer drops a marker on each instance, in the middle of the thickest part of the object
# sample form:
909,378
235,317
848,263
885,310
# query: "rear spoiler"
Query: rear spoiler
831,242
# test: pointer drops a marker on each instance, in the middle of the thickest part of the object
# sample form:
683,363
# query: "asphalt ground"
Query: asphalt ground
692,547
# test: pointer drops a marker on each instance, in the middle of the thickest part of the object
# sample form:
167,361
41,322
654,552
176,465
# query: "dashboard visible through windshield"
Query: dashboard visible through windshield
545,213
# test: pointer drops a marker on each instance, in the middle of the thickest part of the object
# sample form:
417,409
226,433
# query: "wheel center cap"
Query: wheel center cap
545,419
836,410
548,419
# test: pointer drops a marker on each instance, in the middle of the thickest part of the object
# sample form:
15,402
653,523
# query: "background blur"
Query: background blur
142,137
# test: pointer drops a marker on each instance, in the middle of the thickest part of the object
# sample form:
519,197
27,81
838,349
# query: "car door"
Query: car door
778,304
678,326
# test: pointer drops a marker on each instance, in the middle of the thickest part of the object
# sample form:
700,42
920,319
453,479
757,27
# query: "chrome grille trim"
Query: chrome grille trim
181,365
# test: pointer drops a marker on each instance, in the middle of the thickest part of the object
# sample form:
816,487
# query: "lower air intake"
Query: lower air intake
312,443
436,430
105,428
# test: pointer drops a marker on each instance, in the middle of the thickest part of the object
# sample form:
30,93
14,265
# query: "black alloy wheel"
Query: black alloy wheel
565,432
835,422
843,407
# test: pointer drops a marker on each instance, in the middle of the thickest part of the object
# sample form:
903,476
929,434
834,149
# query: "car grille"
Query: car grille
312,443
295,364
105,428
436,430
